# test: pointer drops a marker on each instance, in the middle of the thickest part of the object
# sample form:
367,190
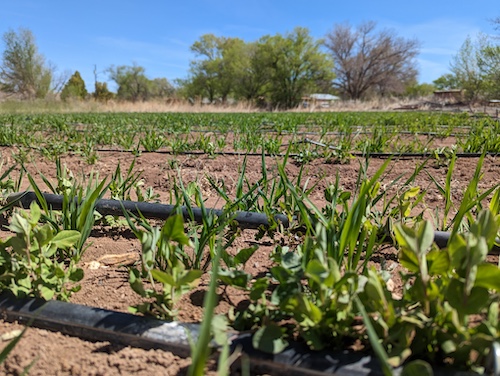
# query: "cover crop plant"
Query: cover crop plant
34,261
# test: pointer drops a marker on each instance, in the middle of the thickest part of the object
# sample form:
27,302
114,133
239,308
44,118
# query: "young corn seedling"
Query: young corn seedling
204,235
129,186
349,232
78,205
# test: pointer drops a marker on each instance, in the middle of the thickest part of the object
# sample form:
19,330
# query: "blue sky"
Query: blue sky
76,35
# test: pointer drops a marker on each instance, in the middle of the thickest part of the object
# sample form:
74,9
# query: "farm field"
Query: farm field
382,170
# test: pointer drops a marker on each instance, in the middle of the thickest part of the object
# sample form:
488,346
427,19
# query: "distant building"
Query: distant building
449,96
321,100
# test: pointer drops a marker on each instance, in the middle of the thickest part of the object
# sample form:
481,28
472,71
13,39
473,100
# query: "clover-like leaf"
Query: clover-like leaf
269,338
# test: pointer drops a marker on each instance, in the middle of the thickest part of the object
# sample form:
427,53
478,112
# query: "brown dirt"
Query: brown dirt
107,286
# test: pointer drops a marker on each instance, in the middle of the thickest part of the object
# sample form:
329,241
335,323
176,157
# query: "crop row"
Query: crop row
320,288
341,133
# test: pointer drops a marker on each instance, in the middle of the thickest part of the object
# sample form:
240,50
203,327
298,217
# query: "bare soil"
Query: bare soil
105,284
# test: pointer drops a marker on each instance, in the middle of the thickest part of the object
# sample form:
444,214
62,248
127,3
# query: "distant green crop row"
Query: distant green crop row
242,121
348,132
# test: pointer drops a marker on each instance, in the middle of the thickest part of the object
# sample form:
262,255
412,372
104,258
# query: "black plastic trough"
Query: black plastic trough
96,324
246,220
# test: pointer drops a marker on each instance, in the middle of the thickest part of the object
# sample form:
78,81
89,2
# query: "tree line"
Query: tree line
276,70
475,68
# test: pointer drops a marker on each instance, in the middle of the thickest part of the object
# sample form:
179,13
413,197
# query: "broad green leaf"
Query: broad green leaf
76,275
189,277
448,346
136,282
478,250
406,237
47,293
66,238
313,339
244,255
220,328
59,272
419,241
438,262
425,236
232,277
417,368
269,338
43,234
457,248
316,271
488,276
19,224
258,288
163,277
485,226
463,303
173,230
409,260
310,311
291,260
410,193
36,213
493,314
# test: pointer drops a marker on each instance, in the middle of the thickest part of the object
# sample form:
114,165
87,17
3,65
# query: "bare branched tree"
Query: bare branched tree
369,61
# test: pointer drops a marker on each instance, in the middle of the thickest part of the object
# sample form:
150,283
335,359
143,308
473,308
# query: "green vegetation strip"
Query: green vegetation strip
371,132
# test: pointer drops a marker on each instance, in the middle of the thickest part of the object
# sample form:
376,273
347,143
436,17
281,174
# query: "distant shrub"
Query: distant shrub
74,88
102,93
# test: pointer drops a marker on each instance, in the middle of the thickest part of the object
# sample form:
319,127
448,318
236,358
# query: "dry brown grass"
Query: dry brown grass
57,106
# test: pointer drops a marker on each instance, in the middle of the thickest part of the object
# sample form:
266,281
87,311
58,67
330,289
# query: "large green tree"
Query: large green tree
279,69
489,62
214,74
447,81
254,72
296,66
134,85
476,68
24,71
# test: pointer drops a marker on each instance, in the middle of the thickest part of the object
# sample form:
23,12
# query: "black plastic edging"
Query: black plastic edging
401,155
246,220
441,239
381,155
96,324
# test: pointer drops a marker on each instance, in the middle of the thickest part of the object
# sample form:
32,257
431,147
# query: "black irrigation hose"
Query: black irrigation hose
402,155
246,220
441,239
96,324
